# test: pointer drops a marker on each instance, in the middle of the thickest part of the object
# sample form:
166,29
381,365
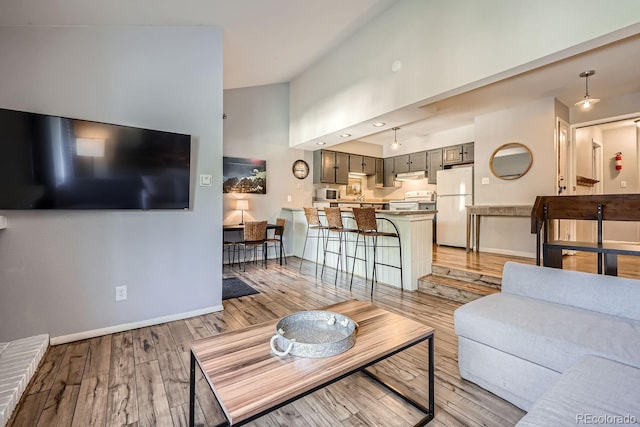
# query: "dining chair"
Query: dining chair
255,236
276,240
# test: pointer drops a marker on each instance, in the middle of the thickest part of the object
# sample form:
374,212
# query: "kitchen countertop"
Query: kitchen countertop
369,200
382,211
390,212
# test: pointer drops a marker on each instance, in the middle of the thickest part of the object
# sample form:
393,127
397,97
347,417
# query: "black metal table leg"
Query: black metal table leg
432,402
429,410
192,390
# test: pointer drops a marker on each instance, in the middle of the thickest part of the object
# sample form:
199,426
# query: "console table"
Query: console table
478,211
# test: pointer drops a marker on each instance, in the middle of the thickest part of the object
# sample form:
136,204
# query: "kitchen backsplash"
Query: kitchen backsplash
396,192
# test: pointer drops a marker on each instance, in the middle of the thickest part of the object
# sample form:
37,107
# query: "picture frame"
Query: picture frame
240,175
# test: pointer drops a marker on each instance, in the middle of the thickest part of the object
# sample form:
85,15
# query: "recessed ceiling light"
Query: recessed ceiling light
320,143
345,135
379,124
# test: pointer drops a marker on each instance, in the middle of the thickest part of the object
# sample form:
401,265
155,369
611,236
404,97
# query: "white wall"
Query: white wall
58,269
257,127
584,137
623,139
531,124
443,46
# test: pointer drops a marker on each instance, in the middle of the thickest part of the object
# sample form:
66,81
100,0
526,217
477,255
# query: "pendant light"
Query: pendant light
395,144
587,101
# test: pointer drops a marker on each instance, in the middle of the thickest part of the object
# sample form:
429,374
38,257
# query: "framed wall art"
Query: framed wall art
244,175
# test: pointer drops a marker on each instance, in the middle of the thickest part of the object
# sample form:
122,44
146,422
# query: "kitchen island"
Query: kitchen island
416,236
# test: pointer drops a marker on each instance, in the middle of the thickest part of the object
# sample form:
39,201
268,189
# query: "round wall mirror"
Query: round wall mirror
511,161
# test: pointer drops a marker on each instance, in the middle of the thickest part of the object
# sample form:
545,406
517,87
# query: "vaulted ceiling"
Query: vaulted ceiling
273,41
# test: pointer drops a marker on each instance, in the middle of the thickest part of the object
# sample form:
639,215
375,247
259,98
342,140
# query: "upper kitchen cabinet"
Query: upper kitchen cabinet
362,164
458,154
389,172
435,164
330,167
401,164
418,161
379,181
414,162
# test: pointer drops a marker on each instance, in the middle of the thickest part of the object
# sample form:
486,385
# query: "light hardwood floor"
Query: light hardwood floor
140,377
492,264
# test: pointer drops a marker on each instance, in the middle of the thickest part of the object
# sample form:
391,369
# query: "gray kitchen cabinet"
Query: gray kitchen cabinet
355,163
362,164
413,162
379,177
401,164
369,165
418,161
330,167
458,154
435,164
342,168
467,152
389,173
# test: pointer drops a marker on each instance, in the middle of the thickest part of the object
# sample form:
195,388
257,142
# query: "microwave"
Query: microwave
327,194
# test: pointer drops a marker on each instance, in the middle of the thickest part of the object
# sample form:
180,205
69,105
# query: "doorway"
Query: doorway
596,145
565,176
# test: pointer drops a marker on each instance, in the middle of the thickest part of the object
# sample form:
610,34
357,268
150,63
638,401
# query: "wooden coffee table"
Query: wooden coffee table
250,381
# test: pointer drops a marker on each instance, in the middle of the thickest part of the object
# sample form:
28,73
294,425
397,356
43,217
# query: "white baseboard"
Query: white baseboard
509,252
63,339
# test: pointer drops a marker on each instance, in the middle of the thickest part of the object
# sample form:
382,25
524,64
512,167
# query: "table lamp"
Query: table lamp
242,205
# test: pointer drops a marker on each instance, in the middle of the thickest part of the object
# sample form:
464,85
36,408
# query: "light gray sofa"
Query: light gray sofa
519,342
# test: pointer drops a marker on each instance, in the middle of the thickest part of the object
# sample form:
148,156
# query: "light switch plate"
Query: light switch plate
485,180
206,180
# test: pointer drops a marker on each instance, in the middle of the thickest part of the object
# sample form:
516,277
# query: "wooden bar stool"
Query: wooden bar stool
367,224
335,224
313,223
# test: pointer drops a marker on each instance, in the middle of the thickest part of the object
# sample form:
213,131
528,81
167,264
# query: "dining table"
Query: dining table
239,228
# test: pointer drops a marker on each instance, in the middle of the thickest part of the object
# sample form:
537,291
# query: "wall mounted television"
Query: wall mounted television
50,162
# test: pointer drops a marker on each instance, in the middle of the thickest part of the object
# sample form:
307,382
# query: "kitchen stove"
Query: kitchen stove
414,200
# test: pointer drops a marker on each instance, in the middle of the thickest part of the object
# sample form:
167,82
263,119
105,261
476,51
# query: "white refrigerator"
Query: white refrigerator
454,193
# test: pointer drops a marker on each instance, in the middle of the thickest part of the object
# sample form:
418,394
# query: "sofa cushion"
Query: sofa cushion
593,391
617,296
551,335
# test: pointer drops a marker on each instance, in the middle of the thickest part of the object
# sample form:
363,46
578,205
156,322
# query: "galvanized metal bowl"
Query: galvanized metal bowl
314,333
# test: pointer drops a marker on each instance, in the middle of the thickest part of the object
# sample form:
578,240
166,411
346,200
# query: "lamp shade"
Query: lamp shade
242,205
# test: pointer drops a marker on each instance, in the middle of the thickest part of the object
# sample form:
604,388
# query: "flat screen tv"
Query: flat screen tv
50,162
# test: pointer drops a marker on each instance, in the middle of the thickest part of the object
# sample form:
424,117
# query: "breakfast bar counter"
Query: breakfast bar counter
416,234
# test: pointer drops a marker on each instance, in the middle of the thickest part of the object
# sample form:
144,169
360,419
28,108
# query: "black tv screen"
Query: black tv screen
50,162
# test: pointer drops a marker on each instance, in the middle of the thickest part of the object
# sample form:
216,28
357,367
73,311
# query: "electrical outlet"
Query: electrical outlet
206,180
288,198
623,184
121,293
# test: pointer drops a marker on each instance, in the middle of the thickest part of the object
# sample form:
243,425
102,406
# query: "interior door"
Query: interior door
566,229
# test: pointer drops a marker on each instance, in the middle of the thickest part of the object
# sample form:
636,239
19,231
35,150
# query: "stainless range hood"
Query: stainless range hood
411,176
